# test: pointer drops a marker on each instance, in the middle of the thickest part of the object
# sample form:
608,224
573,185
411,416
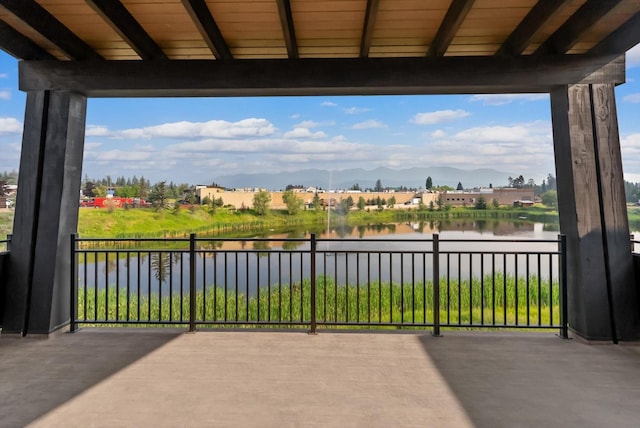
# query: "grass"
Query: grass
464,303
147,223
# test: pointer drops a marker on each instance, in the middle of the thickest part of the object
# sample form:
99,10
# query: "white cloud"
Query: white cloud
632,98
251,127
356,110
438,133
97,131
304,133
328,104
10,125
4,75
633,57
502,99
439,116
307,124
294,116
5,95
369,124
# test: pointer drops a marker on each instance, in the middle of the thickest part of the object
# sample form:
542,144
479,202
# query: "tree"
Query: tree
158,195
361,203
551,183
391,202
550,198
355,187
261,201
481,203
316,201
293,203
459,186
378,187
429,183
495,204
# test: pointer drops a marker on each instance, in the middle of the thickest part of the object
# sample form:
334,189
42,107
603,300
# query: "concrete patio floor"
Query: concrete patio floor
168,378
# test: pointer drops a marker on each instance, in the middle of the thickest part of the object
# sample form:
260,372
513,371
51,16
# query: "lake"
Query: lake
400,253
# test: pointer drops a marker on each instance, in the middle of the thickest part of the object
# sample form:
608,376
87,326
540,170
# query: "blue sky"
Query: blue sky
195,140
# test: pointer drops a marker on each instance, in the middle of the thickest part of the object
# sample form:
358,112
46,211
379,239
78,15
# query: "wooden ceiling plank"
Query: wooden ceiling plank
367,28
19,46
518,41
288,29
452,21
622,39
49,27
569,33
123,23
206,24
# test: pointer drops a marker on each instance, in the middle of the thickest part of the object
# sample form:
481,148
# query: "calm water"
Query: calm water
362,255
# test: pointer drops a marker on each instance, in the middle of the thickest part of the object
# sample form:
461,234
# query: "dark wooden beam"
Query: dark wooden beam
569,33
288,30
518,41
316,76
367,28
621,40
119,18
202,18
450,24
49,27
19,46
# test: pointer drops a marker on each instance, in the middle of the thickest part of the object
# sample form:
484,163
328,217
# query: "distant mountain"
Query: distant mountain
343,179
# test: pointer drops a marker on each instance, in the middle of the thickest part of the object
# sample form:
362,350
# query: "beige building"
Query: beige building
503,196
244,198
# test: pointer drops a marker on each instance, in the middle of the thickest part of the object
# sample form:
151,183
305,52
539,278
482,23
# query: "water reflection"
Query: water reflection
252,264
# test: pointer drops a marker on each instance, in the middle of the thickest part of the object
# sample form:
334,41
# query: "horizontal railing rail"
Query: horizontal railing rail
309,282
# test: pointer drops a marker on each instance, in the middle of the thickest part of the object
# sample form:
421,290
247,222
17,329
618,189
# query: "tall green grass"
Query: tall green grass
498,300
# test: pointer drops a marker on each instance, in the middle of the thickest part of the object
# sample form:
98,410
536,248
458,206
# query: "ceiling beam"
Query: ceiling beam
621,40
367,28
521,37
202,18
50,28
121,20
288,30
450,24
569,33
20,47
318,76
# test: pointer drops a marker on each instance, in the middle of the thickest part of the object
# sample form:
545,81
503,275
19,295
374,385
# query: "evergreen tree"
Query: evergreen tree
459,186
429,183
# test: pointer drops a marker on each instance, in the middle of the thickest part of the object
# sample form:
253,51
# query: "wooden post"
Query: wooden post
602,298
37,296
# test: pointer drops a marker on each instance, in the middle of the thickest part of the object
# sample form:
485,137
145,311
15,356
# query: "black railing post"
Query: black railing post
564,331
436,285
313,284
632,237
9,238
73,292
192,282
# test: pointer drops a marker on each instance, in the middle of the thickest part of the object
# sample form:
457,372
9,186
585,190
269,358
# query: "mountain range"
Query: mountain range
344,179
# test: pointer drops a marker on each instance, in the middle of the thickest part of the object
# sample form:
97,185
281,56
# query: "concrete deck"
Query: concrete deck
167,378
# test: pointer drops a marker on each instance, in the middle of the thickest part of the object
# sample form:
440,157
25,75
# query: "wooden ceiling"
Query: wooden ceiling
290,29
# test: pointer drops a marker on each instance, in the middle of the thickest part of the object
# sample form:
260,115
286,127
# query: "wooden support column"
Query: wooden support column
602,296
37,296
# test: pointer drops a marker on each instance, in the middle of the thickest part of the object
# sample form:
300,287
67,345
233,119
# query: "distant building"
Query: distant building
504,196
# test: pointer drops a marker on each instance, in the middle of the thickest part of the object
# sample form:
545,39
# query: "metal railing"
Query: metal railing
5,244
309,282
